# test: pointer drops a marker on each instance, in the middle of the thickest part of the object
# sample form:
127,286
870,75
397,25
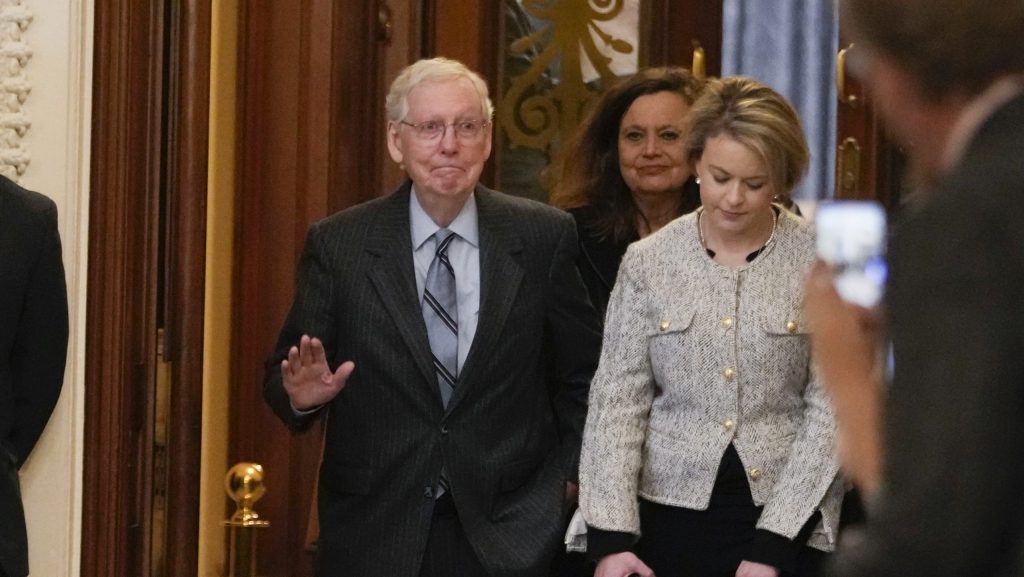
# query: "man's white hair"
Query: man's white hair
433,70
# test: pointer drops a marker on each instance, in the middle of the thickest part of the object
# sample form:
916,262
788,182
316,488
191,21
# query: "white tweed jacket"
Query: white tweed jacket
698,355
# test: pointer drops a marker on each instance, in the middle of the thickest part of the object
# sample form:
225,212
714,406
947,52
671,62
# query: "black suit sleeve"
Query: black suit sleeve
40,345
574,342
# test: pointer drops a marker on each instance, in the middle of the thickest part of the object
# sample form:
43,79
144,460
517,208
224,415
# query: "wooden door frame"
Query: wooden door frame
149,137
881,167
185,276
686,22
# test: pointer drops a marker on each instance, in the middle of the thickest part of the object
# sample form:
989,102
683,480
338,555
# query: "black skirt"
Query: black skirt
712,543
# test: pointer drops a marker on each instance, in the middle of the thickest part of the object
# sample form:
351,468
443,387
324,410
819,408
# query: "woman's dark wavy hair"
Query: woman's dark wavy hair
589,163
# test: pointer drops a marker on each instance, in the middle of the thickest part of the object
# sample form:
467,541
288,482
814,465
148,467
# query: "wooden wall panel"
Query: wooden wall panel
269,237
147,207
449,33
468,32
184,284
675,24
356,151
307,123
121,303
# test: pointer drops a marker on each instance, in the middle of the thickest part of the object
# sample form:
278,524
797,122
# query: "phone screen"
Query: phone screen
851,238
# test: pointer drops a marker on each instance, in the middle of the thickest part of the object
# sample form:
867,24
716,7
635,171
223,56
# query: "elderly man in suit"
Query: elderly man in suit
938,453
33,348
447,331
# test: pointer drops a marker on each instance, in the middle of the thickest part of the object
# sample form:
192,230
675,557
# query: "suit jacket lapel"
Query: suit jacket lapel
392,275
500,275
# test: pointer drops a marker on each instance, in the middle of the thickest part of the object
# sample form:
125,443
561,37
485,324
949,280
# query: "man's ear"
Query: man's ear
393,145
490,140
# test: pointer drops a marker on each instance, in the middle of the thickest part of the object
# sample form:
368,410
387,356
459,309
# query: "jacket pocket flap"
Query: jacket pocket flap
345,478
790,323
676,320
517,474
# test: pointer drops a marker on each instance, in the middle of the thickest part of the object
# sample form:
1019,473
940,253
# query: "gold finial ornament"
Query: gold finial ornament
244,484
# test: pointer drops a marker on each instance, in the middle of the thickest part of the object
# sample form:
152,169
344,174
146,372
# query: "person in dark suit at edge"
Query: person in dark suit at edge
33,349
425,322
938,452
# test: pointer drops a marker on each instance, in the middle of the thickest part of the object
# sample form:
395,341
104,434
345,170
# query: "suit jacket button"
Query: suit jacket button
728,374
428,492
755,474
791,327
444,429
663,326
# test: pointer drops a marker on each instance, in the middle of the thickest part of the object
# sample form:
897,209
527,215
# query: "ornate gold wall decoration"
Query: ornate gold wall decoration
14,87
550,97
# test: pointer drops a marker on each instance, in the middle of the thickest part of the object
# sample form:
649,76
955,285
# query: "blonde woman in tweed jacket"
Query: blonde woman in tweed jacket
708,448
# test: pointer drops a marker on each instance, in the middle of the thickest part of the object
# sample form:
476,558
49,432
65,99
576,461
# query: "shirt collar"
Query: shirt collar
423,227
975,114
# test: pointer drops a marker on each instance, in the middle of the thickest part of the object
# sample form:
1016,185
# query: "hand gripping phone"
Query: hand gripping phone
851,237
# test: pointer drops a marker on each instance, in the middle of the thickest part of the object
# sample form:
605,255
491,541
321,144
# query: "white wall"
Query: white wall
60,73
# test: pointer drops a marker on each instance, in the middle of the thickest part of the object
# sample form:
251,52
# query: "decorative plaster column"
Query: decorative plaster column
15,54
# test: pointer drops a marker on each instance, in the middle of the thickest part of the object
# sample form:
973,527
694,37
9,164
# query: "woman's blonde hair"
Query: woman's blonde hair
756,116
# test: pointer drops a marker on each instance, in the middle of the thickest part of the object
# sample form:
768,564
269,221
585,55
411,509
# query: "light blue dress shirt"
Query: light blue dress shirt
464,254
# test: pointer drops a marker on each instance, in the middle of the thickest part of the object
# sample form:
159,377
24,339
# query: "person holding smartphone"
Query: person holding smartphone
708,443
937,449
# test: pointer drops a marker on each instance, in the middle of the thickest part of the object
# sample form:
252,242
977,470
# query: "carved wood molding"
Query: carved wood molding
184,294
146,250
15,54
120,327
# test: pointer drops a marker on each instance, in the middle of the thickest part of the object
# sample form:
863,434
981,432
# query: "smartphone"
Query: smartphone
851,238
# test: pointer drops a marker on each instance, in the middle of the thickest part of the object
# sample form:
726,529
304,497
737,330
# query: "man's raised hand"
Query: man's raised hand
307,377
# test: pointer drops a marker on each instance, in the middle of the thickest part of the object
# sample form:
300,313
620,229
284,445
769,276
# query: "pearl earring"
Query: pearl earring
697,179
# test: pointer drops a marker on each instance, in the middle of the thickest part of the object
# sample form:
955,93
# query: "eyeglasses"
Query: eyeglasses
430,130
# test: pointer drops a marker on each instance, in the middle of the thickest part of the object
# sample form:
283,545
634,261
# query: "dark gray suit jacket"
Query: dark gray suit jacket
33,347
510,436
952,503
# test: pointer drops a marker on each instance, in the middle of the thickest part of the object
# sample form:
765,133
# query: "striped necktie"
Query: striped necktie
440,314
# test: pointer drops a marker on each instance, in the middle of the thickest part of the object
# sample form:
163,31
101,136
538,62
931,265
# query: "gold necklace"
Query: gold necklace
751,256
